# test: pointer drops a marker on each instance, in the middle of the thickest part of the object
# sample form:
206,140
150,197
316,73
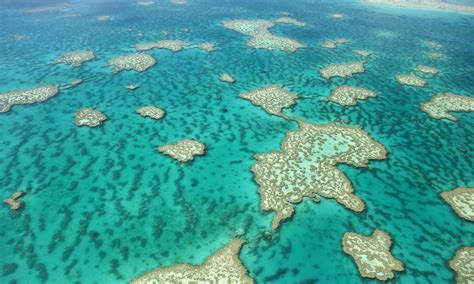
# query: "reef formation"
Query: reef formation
463,264
184,150
440,106
260,35
151,111
291,21
224,266
89,117
461,200
426,69
411,80
29,96
372,254
75,58
306,166
272,98
348,95
173,45
14,200
226,77
138,62
334,42
342,70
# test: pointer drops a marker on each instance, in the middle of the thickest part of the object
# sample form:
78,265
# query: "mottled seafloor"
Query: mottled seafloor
102,206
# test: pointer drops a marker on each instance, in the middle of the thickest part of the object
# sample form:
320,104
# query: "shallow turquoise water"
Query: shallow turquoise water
102,206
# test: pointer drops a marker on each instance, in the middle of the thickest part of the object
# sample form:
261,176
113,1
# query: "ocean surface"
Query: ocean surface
103,206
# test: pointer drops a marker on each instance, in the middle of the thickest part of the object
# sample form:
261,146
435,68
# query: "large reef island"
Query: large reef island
461,200
426,4
372,254
25,97
260,35
440,106
306,166
224,266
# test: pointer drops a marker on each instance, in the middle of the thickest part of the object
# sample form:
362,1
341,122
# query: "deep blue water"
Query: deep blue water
102,206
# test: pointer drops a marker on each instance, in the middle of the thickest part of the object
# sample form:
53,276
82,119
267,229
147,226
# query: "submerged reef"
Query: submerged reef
151,111
337,16
291,21
372,254
260,35
173,45
272,98
341,70
462,264
307,166
461,200
348,95
436,55
364,53
440,106
334,42
184,150
24,97
103,18
225,77
138,62
75,58
411,80
89,117
207,46
13,201
426,4
224,266
426,69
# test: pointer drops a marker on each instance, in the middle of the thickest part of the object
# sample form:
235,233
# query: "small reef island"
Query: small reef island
348,95
183,150
89,117
461,200
372,254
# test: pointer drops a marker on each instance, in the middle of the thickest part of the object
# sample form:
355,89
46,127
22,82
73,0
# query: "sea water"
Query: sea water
103,206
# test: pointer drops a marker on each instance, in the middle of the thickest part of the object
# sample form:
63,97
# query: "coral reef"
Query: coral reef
462,264
364,53
440,106
75,58
461,200
334,42
224,266
173,45
291,21
89,117
29,96
426,4
372,254
411,80
184,150
337,16
207,46
306,166
151,111
260,35
13,201
272,98
348,95
225,77
426,69
138,62
342,70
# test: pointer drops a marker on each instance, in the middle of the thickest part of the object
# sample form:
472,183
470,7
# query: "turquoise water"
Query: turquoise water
102,206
